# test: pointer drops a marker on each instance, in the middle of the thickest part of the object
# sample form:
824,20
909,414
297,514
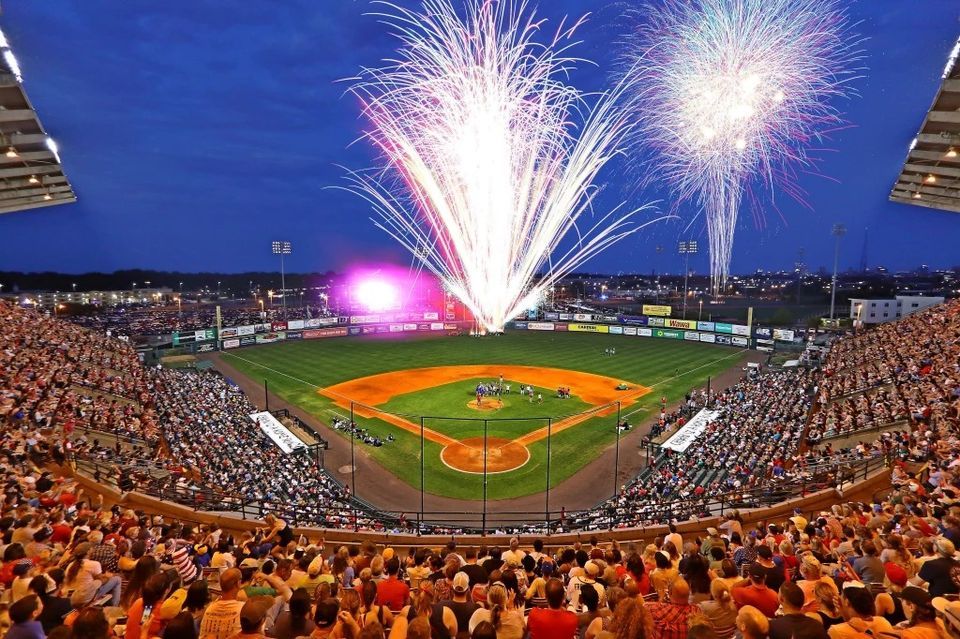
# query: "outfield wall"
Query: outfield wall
678,330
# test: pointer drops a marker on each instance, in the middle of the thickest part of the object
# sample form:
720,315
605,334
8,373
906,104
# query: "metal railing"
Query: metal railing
345,512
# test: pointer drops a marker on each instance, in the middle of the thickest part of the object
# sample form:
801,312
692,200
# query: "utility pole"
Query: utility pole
281,249
686,249
839,230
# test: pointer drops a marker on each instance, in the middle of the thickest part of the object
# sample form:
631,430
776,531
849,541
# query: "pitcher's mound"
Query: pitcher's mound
487,405
502,455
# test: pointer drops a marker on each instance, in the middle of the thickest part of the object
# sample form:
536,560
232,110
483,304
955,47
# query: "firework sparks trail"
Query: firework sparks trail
730,91
485,170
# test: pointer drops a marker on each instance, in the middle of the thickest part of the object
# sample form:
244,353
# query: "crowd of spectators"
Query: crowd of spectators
160,320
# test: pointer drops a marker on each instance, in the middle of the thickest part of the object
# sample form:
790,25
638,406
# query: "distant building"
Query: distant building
99,298
879,311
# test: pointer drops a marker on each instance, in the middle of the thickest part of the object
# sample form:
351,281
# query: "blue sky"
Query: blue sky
195,132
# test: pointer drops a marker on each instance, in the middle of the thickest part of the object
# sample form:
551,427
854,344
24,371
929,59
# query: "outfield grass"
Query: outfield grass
295,370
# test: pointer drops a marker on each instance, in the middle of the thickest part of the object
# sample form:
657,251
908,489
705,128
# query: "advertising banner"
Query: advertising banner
588,328
354,330
184,338
364,319
540,326
368,330
566,316
268,338
280,434
629,330
250,329
723,328
582,317
709,338
656,309
228,332
635,320
655,321
431,317
409,327
724,339
205,348
206,334
763,332
740,329
685,324
616,330
740,341
783,334
668,334
560,327
248,340
450,327
230,343
317,322
645,332
396,328
551,316
277,326
339,331
295,325
436,326
608,318
764,341
691,336
705,326
680,441
520,326
294,334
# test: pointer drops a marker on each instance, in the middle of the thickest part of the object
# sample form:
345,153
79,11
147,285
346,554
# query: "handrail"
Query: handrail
352,513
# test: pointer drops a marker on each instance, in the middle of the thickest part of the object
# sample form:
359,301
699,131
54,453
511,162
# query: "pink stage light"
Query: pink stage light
377,295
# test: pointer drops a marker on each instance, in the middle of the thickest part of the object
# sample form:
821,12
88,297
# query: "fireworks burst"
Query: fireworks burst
485,170
728,91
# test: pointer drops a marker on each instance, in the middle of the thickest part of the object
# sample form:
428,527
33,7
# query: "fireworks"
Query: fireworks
728,92
485,170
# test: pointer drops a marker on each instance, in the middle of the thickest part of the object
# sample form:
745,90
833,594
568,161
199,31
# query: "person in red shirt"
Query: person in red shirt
554,622
391,592
755,593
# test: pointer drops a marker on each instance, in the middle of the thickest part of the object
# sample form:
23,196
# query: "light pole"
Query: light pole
181,289
700,314
281,249
839,230
133,297
270,295
686,249
74,285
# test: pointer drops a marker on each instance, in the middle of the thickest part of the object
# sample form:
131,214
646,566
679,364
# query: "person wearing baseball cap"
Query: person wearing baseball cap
460,604
591,570
936,573
921,615
253,614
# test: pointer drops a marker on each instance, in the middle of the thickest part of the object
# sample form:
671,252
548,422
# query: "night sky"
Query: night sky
194,132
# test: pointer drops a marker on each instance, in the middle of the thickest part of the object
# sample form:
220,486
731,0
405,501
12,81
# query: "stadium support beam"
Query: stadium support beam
16,115
926,202
952,117
29,156
27,171
936,170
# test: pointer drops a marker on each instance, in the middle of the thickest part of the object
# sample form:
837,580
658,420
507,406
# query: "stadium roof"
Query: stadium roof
931,173
30,172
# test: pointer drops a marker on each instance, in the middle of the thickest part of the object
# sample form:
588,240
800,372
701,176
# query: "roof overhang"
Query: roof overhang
931,174
31,175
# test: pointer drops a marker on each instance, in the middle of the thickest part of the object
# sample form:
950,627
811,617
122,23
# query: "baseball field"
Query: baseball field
398,387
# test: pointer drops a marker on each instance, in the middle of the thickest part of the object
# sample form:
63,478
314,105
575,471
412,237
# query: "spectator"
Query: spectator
755,592
752,623
671,618
860,614
24,614
793,623
554,621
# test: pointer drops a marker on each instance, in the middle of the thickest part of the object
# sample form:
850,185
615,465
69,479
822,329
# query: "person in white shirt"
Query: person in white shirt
674,537
591,570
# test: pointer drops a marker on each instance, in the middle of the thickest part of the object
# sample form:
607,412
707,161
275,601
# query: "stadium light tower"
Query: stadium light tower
686,249
281,249
839,230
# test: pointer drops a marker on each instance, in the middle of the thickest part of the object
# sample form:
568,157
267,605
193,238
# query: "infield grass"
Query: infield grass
295,371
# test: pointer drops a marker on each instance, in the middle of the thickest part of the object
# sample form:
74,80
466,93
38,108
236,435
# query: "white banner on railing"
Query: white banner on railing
280,434
681,440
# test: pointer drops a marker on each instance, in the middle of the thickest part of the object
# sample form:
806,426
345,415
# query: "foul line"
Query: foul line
667,379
